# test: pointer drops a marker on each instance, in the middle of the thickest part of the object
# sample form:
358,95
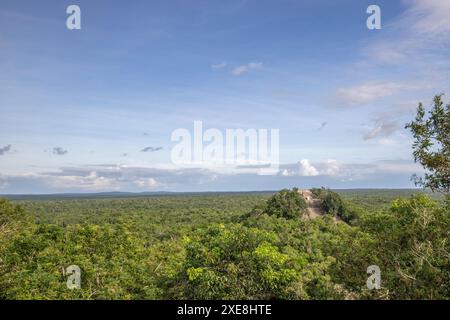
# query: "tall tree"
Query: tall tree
431,146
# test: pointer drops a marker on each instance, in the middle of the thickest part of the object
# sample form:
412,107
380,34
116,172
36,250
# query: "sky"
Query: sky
94,109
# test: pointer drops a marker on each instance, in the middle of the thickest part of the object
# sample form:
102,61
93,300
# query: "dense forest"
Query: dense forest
248,246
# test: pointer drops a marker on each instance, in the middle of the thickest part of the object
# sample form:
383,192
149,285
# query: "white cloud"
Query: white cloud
422,29
110,177
330,167
370,92
392,166
90,182
237,71
218,66
429,17
306,169
103,178
387,54
382,128
88,179
147,183
302,168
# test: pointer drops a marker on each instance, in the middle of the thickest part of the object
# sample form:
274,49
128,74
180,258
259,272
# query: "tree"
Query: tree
332,203
287,204
235,262
431,146
413,248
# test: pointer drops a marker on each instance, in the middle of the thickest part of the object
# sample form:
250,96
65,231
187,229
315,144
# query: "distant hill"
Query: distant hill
108,195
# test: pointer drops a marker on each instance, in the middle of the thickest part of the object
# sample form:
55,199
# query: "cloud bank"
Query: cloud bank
109,177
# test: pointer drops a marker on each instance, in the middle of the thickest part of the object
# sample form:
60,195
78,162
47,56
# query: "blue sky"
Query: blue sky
79,106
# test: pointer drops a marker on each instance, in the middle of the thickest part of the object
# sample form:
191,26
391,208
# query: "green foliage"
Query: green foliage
234,262
192,247
333,204
431,146
288,204
238,262
113,262
415,248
